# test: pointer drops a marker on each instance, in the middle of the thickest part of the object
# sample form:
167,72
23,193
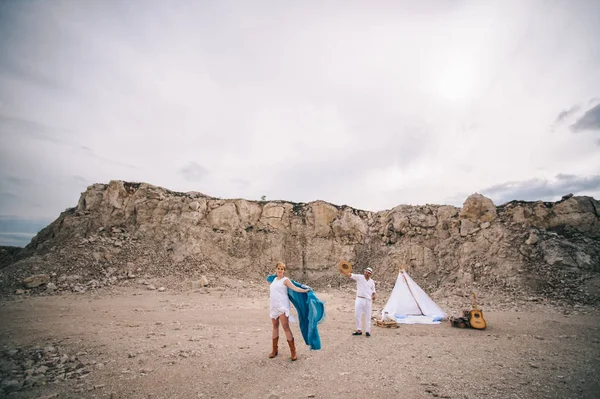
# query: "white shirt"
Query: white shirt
364,287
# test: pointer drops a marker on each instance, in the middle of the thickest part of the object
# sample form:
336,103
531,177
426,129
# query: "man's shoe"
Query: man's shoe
357,333
368,335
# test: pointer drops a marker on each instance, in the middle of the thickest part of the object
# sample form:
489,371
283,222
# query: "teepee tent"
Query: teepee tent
409,304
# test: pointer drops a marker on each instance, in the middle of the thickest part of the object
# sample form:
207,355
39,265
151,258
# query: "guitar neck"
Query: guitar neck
474,301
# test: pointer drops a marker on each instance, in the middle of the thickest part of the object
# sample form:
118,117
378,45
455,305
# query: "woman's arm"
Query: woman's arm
288,283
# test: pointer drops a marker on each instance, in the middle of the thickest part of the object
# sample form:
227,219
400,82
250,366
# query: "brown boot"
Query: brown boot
274,353
292,349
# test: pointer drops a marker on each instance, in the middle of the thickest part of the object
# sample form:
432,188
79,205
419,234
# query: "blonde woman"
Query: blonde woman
280,308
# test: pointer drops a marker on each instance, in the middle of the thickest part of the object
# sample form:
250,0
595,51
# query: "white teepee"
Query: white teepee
408,303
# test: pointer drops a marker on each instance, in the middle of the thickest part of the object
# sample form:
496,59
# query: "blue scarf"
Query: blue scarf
311,312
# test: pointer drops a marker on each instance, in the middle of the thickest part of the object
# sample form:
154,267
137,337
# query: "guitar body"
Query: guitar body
476,319
475,316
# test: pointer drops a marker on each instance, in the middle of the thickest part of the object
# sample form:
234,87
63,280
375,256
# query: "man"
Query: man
365,295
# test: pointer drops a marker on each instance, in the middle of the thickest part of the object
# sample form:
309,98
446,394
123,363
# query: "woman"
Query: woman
280,308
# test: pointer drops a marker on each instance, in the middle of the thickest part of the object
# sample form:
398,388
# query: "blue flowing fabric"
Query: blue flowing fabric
311,312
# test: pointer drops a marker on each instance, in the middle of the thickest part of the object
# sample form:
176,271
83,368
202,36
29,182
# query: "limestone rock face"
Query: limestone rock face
249,212
224,217
581,213
468,227
121,231
115,194
276,215
350,225
321,215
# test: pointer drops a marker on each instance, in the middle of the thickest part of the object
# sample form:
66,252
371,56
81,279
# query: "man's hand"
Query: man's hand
373,296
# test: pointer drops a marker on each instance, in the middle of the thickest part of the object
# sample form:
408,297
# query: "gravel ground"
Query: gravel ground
213,343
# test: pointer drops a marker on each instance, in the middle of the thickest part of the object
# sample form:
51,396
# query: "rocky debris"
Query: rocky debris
8,254
23,368
132,234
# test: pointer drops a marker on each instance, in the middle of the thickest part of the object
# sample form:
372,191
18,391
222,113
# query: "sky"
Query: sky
370,104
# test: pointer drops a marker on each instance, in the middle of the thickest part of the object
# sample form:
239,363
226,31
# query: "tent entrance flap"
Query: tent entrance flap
411,293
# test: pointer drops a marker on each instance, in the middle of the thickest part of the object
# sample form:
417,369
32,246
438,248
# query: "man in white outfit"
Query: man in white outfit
365,295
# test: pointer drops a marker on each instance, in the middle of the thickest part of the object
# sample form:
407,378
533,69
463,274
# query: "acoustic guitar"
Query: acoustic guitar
476,319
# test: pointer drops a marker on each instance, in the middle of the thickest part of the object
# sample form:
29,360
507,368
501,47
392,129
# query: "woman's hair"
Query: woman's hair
280,264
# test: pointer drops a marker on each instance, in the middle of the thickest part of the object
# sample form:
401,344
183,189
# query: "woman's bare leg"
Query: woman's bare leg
275,328
286,327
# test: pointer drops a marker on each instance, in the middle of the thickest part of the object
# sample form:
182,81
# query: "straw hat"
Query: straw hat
345,267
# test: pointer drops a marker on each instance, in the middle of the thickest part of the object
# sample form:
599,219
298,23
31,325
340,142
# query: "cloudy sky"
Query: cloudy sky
371,104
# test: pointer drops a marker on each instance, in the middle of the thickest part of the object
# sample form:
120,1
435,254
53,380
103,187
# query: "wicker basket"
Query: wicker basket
386,324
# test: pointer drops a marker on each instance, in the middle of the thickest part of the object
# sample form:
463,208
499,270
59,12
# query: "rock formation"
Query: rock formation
122,230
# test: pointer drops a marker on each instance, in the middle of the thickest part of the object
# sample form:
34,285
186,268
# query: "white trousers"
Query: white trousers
362,307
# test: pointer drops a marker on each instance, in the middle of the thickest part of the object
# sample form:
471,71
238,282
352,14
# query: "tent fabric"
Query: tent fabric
419,320
311,312
408,299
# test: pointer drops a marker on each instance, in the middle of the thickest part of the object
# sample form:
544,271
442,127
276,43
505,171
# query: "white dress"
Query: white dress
280,303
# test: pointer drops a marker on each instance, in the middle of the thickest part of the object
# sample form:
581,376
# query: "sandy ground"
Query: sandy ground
134,343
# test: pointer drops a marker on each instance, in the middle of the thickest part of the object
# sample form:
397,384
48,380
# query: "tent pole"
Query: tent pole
411,293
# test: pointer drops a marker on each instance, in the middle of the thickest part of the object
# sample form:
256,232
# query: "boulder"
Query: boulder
478,208
36,280
532,240
203,282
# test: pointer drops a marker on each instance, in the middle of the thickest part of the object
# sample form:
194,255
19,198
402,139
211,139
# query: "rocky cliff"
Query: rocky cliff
120,231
